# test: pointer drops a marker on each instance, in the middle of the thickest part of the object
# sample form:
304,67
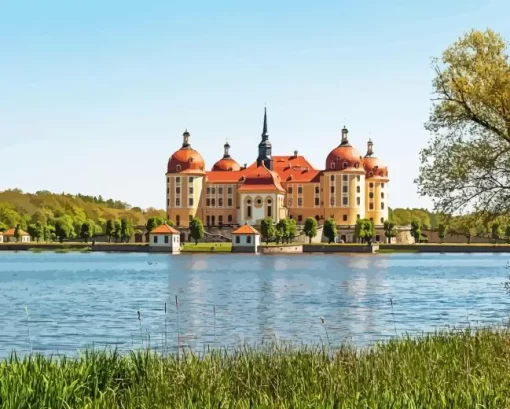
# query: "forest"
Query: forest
48,216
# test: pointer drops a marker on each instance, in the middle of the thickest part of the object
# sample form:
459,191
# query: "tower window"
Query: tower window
300,202
358,216
316,190
371,195
382,220
300,190
300,218
358,201
332,189
190,201
229,202
358,178
382,195
178,190
178,180
178,168
178,202
345,188
317,200
371,206
371,185
230,218
382,185
382,205
289,190
344,217
332,201
332,178
344,165
345,178
345,201
358,189
332,165
190,179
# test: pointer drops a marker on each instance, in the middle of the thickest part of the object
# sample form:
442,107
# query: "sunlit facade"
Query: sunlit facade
350,186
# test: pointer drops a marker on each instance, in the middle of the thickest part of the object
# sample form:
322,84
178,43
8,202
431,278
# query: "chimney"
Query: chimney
295,154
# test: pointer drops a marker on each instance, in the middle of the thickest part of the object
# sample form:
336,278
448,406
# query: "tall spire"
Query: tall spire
185,139
226,152
264,129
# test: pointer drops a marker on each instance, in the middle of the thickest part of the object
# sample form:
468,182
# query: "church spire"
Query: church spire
265,147
264,129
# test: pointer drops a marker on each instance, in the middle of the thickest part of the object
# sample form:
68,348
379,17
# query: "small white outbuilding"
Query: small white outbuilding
245,239
165,238
9,236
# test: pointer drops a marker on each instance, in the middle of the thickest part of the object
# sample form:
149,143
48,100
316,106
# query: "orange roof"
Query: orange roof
220,176
165,229
187,159
226,164
375,167
294,168
260,179
246,229
10,233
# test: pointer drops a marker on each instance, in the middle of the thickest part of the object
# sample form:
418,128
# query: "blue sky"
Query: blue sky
95,95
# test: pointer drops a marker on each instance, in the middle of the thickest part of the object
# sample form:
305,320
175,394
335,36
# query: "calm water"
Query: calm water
75,299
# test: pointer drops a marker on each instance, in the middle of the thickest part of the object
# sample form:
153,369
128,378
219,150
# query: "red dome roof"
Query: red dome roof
344,156
226,164
373,166
185,158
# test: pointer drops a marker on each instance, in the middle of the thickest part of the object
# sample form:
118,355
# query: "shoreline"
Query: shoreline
225,248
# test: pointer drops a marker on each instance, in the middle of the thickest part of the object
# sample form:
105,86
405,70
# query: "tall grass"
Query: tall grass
444,370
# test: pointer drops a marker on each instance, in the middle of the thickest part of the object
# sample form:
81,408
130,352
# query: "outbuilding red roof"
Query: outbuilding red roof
246,229
164,229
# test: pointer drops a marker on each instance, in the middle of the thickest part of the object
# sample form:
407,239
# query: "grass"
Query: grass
444,370
207,247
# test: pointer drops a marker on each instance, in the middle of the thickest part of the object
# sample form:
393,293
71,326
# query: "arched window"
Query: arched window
230,218
332,165
178,168
344,165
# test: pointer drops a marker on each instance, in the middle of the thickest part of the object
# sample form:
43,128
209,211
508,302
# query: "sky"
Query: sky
95,95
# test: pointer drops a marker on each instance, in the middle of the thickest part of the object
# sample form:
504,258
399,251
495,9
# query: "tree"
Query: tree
117,230
196,229
310,228
87,230
36,231
389,230
416,230
495,232
466,225
17,232
267,229
442,229
110,229
126,230
293,230
466,165
63,227
330,231
283,230
153,222
49,233
364,230
507,233
3,227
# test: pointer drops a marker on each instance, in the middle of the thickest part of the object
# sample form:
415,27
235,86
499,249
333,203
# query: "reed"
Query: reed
468,369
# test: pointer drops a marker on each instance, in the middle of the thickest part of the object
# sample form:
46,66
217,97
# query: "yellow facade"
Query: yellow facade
350,187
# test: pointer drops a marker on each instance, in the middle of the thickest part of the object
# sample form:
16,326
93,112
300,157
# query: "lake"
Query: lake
61,303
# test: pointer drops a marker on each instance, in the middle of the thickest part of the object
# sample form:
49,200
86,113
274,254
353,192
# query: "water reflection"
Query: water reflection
76,300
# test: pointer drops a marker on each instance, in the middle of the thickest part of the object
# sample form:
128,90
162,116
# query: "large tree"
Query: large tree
267,229
364,230
466,165
196,229
310,228
330,231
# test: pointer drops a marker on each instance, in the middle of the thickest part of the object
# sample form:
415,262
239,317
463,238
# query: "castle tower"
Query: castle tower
265,147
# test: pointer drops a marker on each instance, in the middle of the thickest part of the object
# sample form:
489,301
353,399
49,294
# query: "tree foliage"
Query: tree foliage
267,229
364,230
87,230
330,231
389,230
416,230
310,228
466,165
283,230
441,231
64,228
196,229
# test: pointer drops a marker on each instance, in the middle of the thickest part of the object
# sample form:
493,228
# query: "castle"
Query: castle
350,186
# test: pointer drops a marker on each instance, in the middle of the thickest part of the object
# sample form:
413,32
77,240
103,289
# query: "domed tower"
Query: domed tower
343,183
184,184
226,163
376,185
